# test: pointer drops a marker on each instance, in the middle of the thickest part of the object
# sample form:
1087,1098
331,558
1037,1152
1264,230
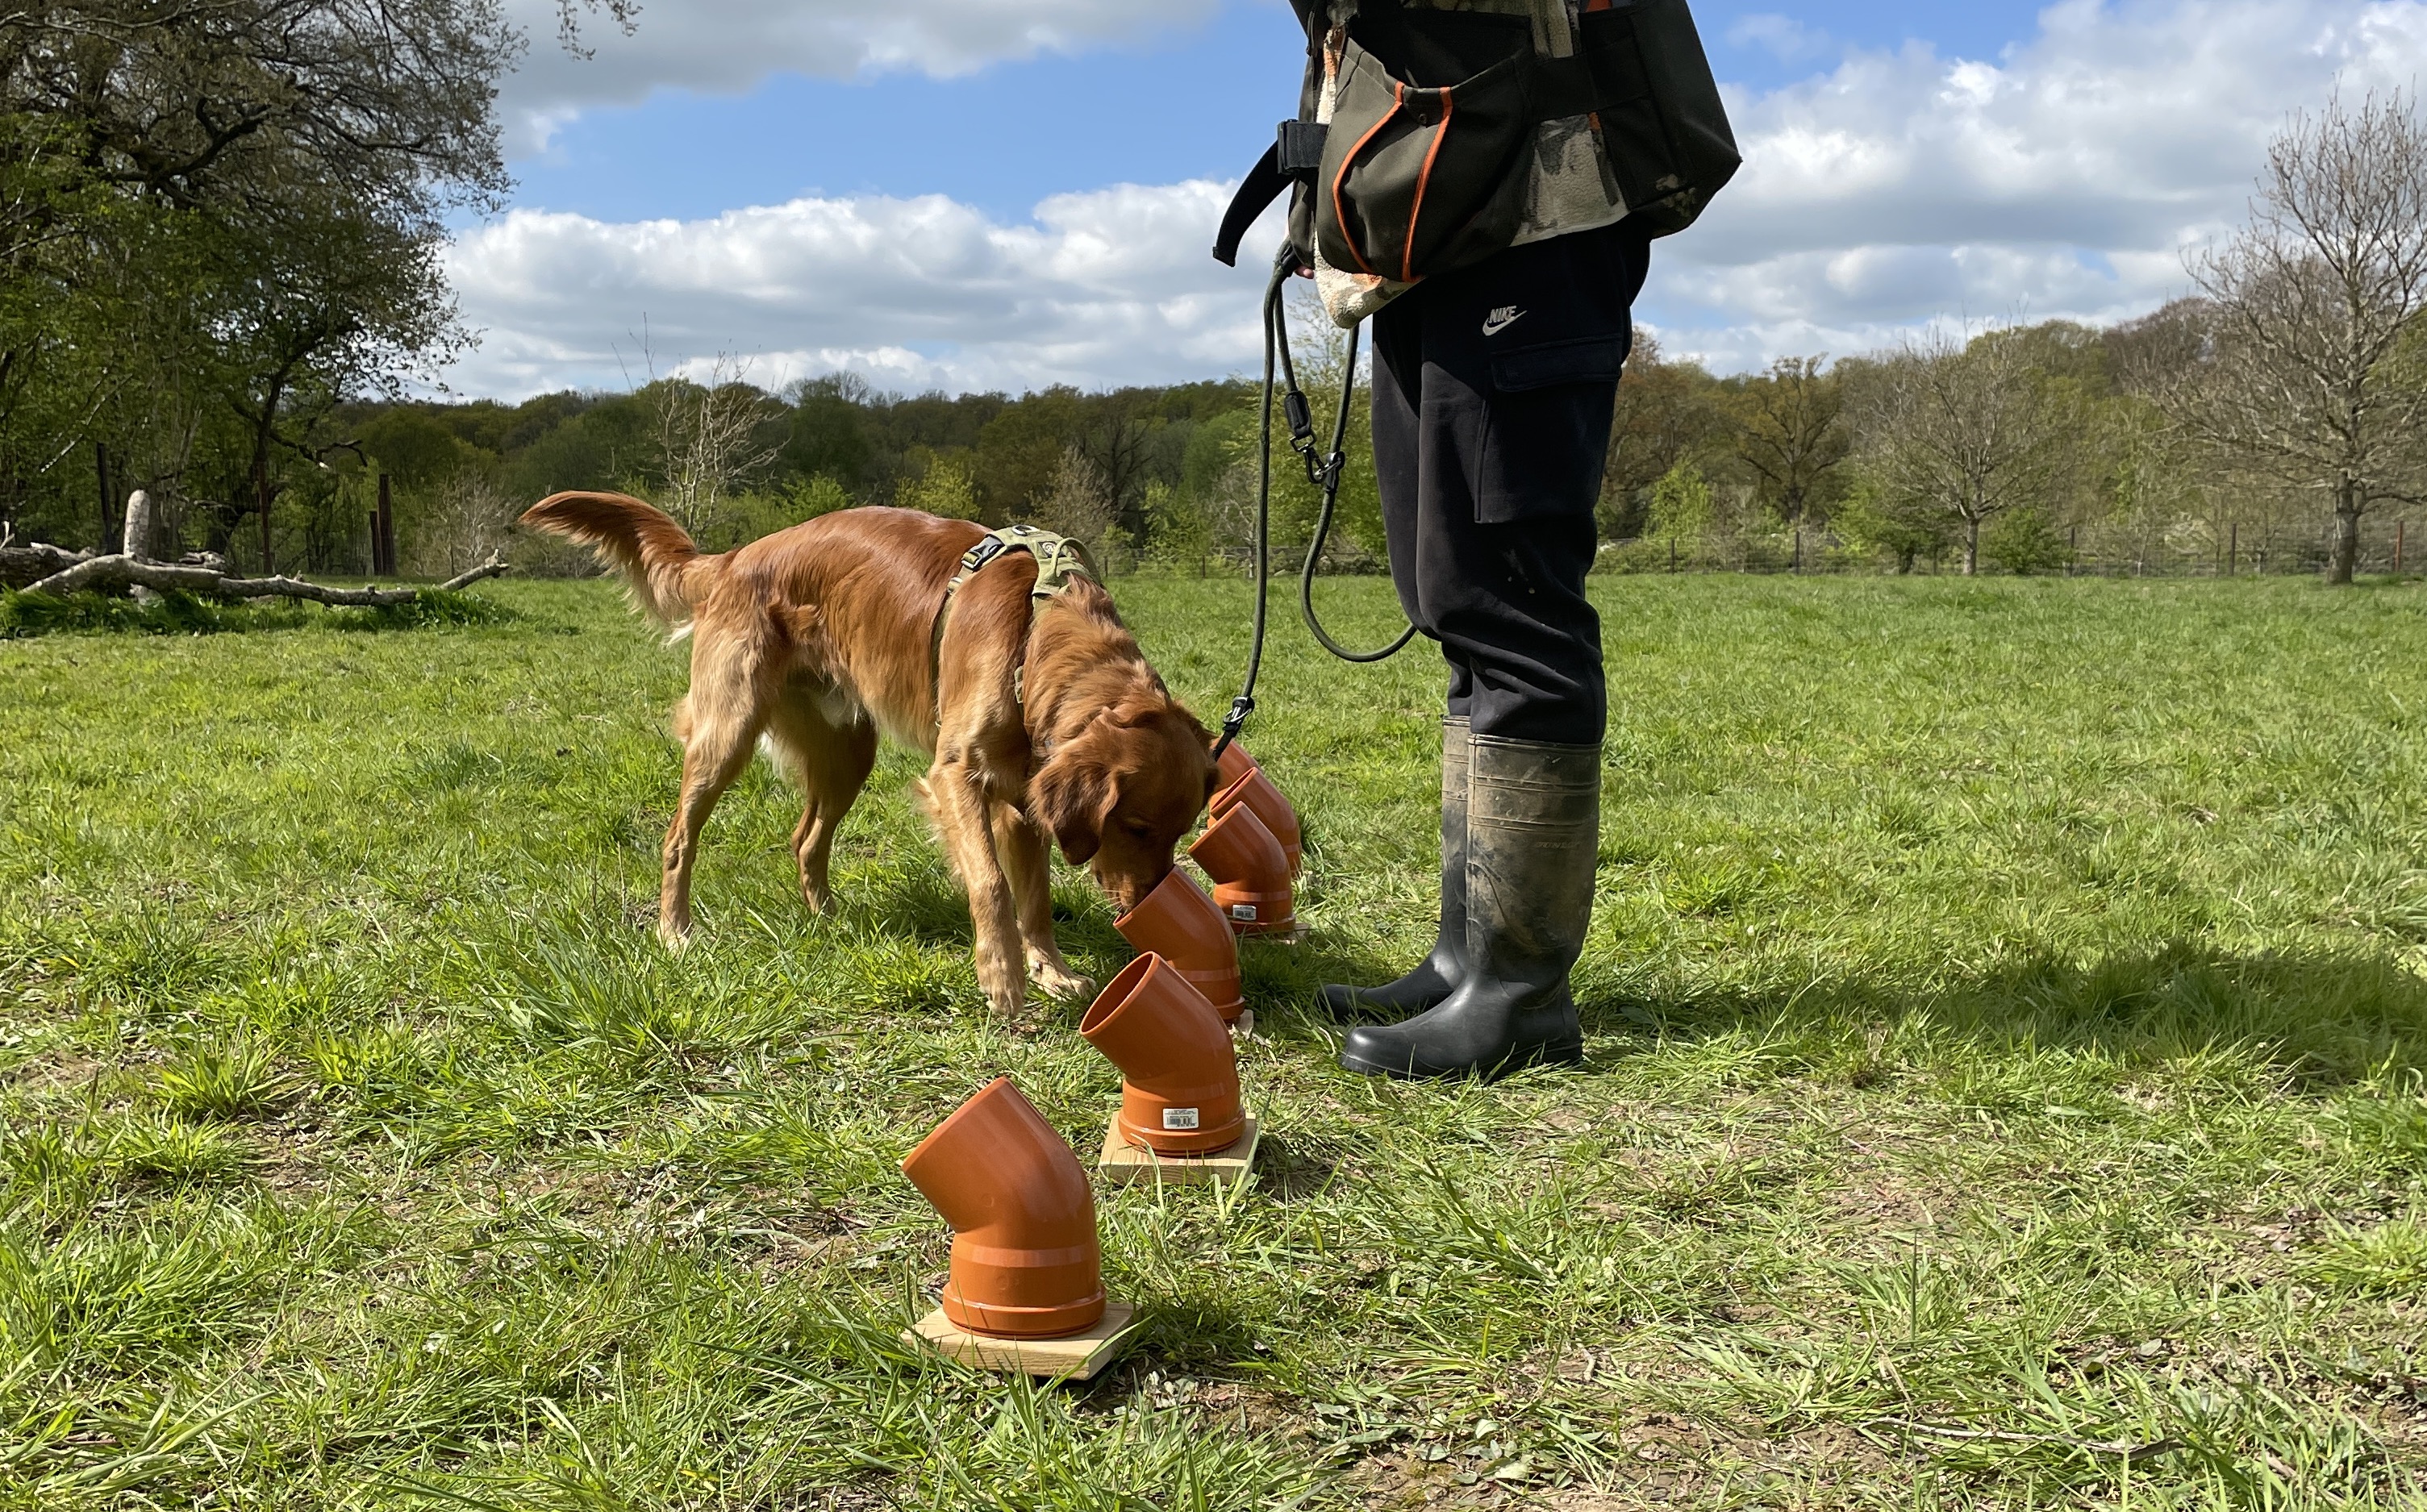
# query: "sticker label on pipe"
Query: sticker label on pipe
1177,1118
1244,913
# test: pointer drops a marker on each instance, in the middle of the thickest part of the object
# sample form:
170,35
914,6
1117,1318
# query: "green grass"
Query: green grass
2004,1015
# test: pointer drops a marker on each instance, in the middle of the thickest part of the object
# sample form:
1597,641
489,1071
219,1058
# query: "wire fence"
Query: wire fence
2387,546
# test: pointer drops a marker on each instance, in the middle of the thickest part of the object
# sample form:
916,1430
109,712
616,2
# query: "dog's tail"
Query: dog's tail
656,556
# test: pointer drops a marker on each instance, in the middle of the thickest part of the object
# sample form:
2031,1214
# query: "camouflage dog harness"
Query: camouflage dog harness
1059,559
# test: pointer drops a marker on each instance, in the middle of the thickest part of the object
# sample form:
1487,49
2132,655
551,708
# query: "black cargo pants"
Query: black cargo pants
1493,391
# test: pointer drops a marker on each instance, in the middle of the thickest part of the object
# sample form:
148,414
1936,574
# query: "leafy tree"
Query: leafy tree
1666,411
1902,528
1789,431
1019,451
1680,503
829,434
942,484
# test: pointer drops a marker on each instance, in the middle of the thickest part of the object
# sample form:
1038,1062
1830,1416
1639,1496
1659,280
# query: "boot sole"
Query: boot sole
1558,1052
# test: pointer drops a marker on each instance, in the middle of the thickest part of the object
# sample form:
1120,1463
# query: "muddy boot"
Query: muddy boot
1438,975
1533,827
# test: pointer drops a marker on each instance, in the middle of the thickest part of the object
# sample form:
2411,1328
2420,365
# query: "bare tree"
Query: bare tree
1968,430
2313,379
465,518
1081,504
711,438
1790,432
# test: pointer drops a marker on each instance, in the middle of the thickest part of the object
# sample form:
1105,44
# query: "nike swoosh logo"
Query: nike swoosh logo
1499,320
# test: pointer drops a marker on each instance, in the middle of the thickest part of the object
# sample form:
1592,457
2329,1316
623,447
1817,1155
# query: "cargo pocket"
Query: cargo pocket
1547,435
1583,360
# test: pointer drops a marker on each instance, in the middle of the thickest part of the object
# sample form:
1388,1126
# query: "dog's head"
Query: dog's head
1120,793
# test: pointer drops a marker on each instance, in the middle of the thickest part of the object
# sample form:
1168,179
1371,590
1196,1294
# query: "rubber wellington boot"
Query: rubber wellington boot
1533,824
1438,975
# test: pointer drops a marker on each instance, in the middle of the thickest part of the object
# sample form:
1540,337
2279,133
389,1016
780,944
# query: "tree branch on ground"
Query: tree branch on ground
118,570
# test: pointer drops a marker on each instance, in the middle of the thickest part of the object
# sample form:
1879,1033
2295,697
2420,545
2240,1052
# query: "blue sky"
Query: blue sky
1009,193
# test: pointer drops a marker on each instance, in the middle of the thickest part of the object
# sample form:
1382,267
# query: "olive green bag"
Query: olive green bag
1423,172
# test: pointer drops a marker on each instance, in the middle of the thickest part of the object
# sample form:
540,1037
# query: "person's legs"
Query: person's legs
1491,529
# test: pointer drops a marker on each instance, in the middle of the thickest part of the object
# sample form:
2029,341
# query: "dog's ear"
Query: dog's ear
1073,796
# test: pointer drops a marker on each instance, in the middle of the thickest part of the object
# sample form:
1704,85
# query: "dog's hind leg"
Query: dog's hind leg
832,762
1028,864
720,722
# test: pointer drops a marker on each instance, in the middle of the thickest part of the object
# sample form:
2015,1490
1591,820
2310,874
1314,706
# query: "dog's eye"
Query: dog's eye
1139,828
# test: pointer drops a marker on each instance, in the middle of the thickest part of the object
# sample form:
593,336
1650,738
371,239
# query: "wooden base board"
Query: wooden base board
1125,1163
1076,1357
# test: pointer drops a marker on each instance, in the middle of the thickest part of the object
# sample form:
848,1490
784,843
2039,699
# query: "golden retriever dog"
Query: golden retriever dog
1040,722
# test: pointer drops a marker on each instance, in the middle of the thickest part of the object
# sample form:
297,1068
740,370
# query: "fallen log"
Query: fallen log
21,565
120,570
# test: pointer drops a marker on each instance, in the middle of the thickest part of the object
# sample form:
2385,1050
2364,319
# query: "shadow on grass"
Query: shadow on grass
2320,1019
25,615
1298,1166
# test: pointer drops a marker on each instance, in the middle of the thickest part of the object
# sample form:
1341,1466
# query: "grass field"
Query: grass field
2005,1032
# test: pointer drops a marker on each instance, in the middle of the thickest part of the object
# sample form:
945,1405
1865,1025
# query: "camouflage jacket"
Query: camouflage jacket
1570,187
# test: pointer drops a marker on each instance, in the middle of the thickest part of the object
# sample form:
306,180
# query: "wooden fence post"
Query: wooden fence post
261,495
101,475
383,533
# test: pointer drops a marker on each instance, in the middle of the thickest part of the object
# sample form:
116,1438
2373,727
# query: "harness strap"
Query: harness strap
1059,559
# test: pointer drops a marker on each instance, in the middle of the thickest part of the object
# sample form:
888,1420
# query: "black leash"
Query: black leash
1323,471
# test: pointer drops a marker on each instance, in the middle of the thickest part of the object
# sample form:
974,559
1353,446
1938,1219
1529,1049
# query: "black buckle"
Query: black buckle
1301,149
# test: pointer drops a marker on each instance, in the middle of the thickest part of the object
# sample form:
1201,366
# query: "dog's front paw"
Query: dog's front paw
1059,981
674,937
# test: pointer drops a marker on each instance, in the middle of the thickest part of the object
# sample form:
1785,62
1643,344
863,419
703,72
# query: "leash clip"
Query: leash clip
1234,722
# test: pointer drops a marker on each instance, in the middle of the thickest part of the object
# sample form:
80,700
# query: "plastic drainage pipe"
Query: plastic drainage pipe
1180,924
1179,1077
1251,880
1257,792
1025,1260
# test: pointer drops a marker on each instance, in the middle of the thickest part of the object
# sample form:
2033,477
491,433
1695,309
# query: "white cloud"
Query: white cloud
2066,180
730,46
1111,287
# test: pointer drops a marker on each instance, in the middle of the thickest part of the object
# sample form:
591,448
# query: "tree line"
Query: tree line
221,230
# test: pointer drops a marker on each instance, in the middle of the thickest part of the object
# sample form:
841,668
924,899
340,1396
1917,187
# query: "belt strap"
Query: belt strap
1294,156
1059,559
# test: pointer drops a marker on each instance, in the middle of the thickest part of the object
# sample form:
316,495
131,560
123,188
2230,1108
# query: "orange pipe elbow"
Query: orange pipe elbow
1234,763
1187,928
1025,1261
1180,1077
1251,880
1257,792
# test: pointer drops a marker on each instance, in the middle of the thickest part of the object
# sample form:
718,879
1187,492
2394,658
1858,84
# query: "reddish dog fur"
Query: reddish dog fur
817,638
